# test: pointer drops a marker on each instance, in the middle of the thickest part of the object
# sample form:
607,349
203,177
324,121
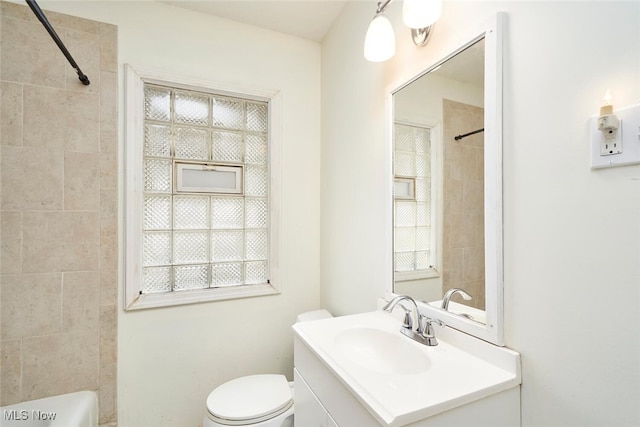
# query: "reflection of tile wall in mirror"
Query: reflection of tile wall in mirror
463,219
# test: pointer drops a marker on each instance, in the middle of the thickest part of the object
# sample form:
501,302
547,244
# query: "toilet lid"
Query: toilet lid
252,398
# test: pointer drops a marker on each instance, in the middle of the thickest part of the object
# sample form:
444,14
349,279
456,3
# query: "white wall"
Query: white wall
421,102
572,275
170,359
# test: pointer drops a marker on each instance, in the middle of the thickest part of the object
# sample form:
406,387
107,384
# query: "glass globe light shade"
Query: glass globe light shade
421,13
380,42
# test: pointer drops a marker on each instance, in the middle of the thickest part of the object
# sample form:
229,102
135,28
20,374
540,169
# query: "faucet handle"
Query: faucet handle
424,318
438,321
408,321
428,334
426,325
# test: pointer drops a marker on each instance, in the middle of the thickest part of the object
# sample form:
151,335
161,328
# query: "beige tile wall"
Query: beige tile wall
463,224
58,209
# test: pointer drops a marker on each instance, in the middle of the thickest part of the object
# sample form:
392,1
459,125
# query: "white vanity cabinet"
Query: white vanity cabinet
459,386
309,411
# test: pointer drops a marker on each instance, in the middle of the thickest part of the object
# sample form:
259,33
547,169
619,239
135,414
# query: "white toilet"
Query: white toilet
255,400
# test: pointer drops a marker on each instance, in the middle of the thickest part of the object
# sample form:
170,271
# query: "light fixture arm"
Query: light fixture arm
382,6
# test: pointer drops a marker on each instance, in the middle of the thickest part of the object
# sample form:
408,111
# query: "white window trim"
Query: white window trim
135,78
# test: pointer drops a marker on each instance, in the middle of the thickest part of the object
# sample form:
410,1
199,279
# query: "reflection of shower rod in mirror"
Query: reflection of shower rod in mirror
459,137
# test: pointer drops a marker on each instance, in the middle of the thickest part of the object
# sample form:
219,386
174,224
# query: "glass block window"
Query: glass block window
412,199
199,240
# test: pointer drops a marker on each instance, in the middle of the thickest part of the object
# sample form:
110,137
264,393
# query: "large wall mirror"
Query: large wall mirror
445,132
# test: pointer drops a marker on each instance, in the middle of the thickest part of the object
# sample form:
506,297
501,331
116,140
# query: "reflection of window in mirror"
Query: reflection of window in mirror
412,202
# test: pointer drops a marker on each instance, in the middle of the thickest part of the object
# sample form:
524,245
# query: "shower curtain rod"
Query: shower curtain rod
40,15
459,137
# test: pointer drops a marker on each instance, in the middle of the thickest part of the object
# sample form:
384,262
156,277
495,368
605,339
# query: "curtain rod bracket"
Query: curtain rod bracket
43,19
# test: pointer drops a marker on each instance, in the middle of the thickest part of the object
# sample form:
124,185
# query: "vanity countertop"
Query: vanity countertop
400,381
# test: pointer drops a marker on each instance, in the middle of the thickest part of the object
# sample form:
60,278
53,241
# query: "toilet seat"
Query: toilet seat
249,400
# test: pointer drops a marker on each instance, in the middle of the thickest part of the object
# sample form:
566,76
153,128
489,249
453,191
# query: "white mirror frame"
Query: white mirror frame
492,31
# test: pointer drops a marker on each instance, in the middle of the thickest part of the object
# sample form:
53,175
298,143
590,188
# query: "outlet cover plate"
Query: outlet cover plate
628,134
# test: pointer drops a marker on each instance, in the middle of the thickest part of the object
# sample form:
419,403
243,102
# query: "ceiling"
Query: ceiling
309,19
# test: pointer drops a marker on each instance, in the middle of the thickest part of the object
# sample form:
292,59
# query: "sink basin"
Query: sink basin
381,351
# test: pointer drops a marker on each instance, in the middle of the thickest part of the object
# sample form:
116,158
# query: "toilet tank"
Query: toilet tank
313,315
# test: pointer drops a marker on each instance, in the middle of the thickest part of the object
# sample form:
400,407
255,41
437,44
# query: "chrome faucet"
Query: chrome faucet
411,316
416,326
450,293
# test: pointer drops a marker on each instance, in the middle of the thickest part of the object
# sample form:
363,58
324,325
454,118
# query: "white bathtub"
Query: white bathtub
78,409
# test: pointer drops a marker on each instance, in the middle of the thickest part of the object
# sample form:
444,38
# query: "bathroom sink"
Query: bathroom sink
400,381
381,351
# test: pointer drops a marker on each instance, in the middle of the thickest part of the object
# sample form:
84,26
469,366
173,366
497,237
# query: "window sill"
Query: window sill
402,276
169,299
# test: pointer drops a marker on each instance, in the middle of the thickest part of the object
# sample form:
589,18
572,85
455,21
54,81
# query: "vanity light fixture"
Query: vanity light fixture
418,15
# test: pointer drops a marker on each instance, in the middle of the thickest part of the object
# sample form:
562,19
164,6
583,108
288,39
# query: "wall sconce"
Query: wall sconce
419,15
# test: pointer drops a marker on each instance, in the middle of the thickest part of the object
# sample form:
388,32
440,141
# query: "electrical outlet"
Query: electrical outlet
611,141
620,147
